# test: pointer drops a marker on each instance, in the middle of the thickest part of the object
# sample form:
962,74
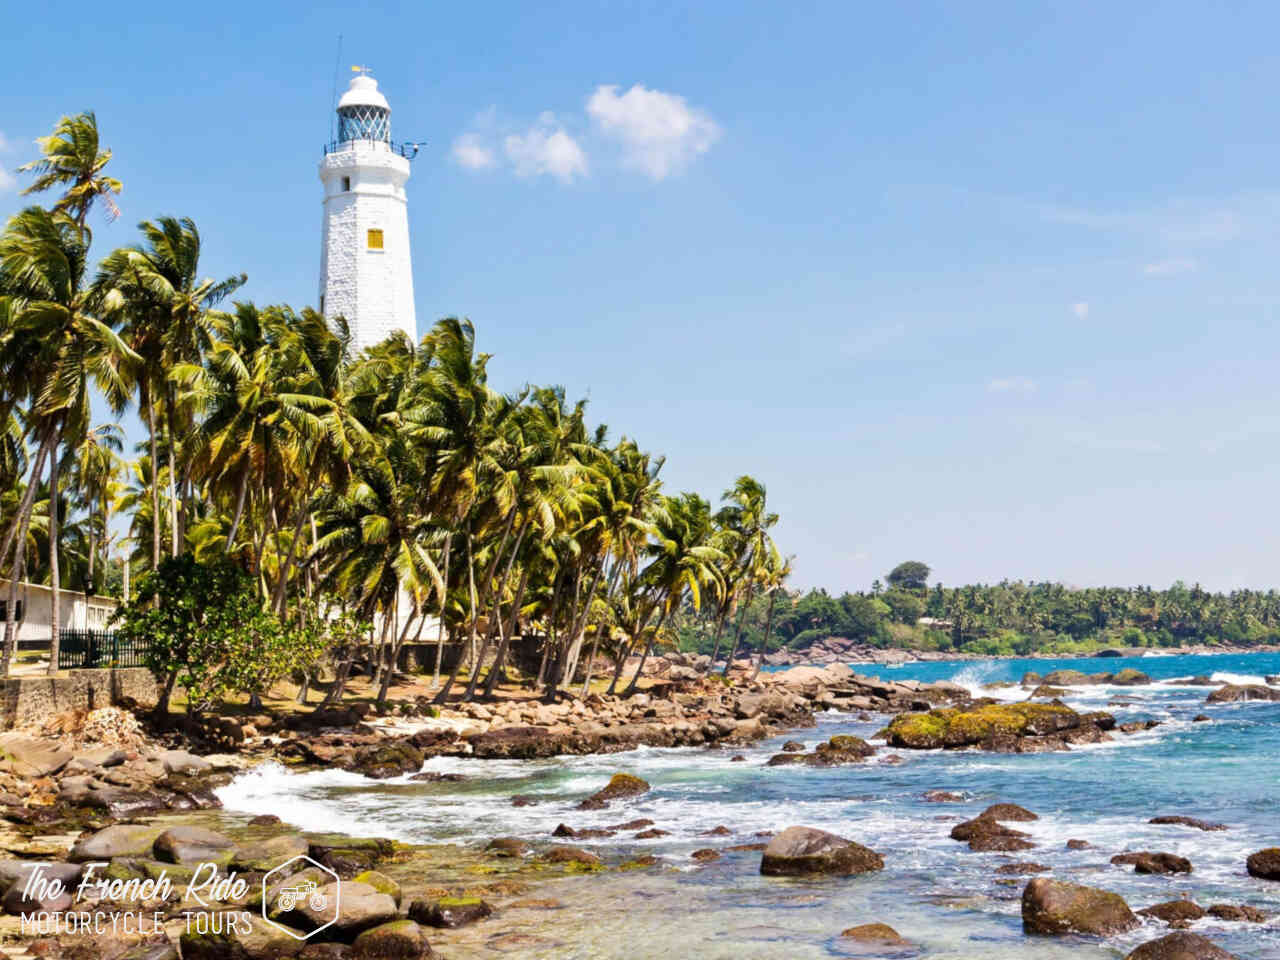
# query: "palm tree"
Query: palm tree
97,467
683,561
43,260
747,514
72,159
169,320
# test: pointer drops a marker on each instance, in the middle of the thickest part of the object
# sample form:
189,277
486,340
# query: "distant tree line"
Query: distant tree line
1011,617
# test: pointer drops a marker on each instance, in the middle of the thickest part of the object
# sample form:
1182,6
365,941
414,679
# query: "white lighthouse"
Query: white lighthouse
366,274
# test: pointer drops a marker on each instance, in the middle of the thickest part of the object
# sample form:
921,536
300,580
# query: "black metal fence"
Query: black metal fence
98,648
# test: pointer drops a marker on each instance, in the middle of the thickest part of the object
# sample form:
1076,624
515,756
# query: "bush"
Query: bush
204,629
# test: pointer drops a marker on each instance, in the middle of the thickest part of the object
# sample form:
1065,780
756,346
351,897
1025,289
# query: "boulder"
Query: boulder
1009,811
179,761
1265,864
1176,913
1079,845
620,786
17,871
793,746
397,940
262,941
120,840
1238,914
508,847
262,856
380,761
567,854
1130,677
875,935
1145,861
193,845
17,901
993,726
30,758
1188,822
1180,946
705,855
985,834
449,912
1022,869
798,851
1053,907
941,796
382,883
1235,692
362,907
347,856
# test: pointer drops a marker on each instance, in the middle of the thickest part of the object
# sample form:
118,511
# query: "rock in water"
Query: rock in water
1158,863
1176,913
1234,692
798,851
1054,907
397,940
1188,822
1009,811
1181,946
449,912
1265,864
1237,914
620,785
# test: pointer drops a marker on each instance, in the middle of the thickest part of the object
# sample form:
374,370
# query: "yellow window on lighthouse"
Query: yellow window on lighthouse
375,239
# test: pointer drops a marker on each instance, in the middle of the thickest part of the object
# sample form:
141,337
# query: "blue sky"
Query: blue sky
991,286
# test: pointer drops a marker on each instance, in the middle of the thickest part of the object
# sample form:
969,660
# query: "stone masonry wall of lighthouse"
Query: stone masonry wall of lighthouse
364,190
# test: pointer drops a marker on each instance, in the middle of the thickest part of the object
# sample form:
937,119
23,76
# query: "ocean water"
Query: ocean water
934,891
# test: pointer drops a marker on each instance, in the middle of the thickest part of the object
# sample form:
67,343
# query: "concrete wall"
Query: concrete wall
28,699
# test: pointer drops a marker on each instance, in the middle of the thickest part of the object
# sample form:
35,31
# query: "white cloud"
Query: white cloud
660,133
7,180
470,151
1081,309
1011,385
1169,268
546,148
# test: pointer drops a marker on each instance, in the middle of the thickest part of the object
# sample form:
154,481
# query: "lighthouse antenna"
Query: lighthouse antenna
333,100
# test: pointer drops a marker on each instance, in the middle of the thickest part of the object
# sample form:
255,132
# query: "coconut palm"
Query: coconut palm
55,330
72,159
169,320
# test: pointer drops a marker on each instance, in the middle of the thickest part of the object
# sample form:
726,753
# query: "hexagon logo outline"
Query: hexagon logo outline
301,893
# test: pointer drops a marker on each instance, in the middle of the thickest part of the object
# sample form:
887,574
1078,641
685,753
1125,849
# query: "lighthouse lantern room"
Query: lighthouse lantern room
366,274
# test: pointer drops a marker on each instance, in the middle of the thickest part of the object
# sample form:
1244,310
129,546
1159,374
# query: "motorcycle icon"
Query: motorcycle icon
290,897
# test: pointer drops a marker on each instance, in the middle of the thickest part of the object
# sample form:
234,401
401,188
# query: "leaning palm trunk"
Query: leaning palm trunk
235,520
278,602
715,650
444,596
580,627
497,612
737,633
16,538
442,697
768,628
500,659
155,481
55,574
591,662
389,670
648,650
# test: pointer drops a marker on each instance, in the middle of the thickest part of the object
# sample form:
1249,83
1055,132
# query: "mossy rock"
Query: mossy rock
382,883
397,940
1130,677
620,786
962,728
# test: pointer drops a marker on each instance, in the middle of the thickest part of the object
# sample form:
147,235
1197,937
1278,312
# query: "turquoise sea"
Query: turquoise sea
934,891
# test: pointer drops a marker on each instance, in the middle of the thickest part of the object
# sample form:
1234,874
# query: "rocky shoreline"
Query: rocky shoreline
102,788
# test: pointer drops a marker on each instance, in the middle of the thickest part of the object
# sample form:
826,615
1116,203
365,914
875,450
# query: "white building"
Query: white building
366,274
34,611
